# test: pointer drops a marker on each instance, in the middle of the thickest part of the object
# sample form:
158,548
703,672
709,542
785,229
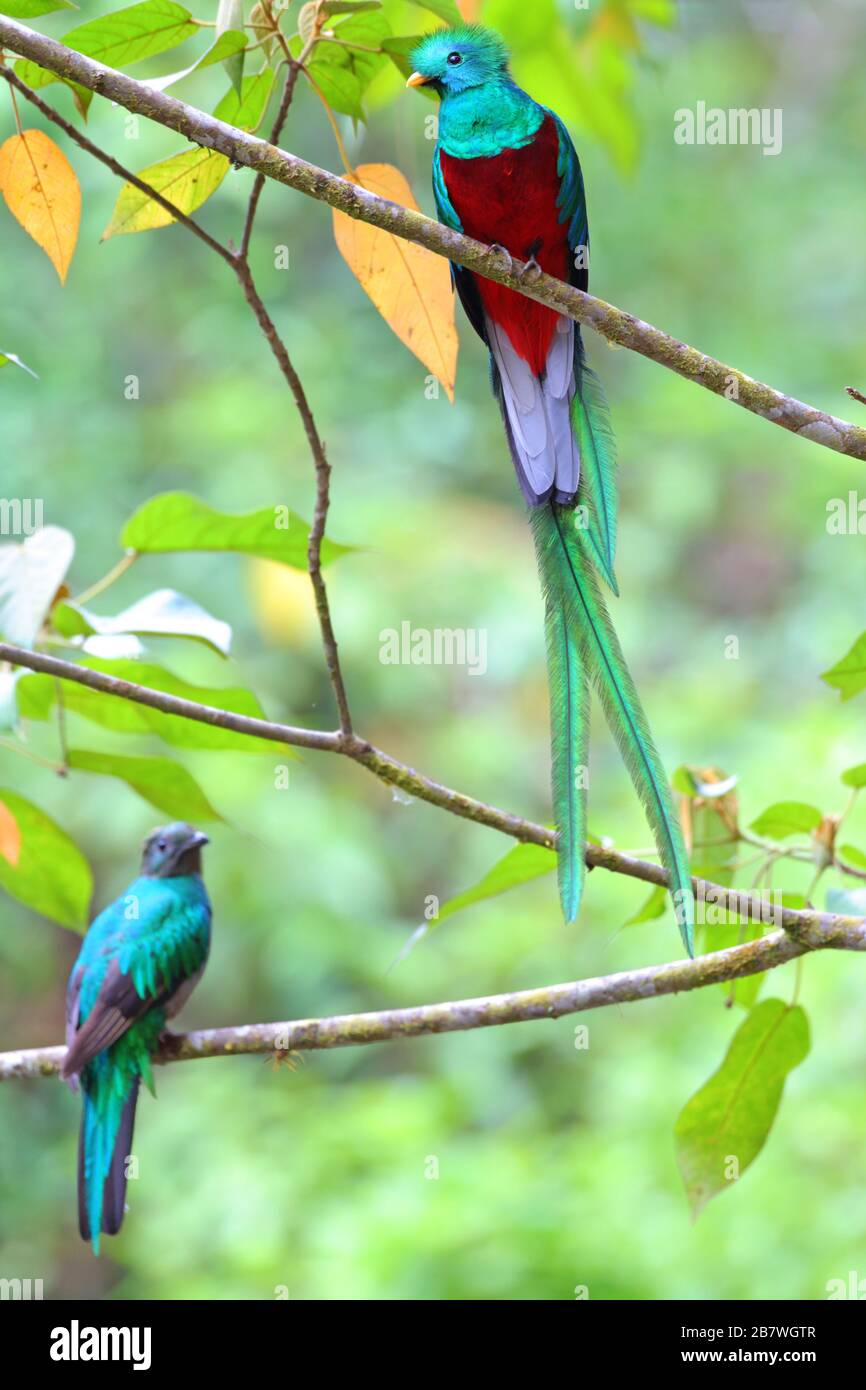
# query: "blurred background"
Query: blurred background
555,1164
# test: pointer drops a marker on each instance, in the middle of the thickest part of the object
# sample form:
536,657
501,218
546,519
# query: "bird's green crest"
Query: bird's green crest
455,60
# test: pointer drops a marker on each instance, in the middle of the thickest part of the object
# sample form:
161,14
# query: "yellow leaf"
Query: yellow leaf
409,286
10,835
186,180
42,192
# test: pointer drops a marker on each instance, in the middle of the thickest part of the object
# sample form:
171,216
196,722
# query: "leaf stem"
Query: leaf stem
124,563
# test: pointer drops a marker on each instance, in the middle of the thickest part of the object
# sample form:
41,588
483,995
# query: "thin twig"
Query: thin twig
276,131
293,380
110,163
240,265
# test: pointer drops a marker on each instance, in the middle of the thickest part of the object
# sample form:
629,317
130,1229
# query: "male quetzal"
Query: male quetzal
140,961
506,172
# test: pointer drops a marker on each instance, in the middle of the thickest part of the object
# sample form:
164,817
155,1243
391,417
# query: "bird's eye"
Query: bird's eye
162,844
455,58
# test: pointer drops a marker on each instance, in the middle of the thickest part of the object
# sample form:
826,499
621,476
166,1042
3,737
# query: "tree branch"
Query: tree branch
551,1001
614,324
397,774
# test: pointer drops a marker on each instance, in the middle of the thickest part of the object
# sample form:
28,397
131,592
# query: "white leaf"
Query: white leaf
30,575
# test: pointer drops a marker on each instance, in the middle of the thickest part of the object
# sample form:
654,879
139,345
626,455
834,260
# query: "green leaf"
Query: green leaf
848,676
787,818
187,180
337,7
340,87
127,36
852,855
176,521
855,776
51,874
165,784
660,12
443,9
848,902
37,693
230,15
724,1126
30,575
653,907
246,111
10,358
683,781
164,613
226,46
31,9
519,865
344,74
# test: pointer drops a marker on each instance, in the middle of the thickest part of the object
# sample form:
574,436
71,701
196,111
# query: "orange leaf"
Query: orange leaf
41,190
470,9
409,286
10,835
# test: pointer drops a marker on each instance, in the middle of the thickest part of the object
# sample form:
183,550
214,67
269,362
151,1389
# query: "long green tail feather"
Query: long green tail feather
590,420
569,740
565,563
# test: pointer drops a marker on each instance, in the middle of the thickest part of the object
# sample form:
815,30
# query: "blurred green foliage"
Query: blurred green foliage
555,1161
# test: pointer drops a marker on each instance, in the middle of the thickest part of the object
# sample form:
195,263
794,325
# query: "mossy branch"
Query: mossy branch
616,325
490,1011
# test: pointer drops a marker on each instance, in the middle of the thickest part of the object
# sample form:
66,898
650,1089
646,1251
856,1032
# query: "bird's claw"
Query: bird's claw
169,1042
531,270
281,1058
504,254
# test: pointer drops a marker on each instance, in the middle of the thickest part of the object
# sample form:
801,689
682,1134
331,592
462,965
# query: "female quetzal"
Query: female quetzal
505,172
140,961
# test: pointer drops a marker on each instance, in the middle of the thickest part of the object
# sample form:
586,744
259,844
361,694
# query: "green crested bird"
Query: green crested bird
506,172
140,961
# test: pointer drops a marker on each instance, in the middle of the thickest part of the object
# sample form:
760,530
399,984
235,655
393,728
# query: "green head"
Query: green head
172,850
457,60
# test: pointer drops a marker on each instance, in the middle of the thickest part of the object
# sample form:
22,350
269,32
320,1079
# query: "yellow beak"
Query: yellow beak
417,80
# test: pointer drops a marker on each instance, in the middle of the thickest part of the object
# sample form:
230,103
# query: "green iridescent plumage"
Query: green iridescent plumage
572,593
138,963
506,172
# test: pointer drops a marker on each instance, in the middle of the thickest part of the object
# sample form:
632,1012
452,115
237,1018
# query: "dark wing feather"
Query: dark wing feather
73,993
114,1192
117,1006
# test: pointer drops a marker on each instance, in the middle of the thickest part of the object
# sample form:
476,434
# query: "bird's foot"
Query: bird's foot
504,255
531,270
169,1042
281,1058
